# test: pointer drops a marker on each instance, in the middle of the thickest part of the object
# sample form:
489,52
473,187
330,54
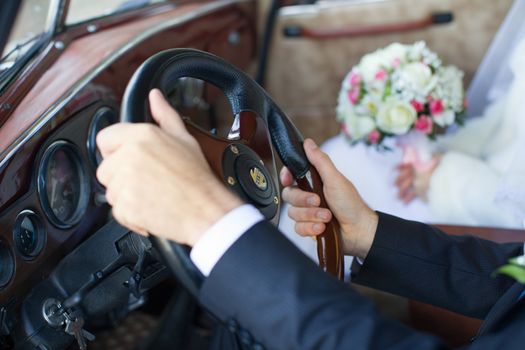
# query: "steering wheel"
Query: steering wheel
244,161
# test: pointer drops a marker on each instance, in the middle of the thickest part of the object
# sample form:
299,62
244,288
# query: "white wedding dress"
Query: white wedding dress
480,180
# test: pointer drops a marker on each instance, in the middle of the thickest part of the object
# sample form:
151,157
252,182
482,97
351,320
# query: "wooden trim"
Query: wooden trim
78,59
89,73
27,78
499,235
455,329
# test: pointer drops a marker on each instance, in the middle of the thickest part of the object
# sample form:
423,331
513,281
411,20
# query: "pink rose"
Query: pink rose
424,124
353,96
355,79
381,75
374,136
418,106
436,107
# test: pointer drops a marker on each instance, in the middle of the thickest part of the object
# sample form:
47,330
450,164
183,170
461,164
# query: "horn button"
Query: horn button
247,176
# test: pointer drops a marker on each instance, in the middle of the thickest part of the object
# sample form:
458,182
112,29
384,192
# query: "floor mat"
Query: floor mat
135,328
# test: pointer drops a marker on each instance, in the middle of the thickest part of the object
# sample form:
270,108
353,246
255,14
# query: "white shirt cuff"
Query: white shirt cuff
222,235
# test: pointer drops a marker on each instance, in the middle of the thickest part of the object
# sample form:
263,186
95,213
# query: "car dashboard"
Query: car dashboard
57,236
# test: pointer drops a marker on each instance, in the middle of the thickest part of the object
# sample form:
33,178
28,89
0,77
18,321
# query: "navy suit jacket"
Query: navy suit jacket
273,296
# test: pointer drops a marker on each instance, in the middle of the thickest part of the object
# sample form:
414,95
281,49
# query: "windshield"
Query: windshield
33,26
30,24
84,10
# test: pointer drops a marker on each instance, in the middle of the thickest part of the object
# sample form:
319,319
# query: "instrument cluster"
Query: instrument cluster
64,184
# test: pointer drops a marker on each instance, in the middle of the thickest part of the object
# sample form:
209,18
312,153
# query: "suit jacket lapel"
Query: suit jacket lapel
502,307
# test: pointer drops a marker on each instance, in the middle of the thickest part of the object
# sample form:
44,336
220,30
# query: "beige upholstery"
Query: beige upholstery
304,74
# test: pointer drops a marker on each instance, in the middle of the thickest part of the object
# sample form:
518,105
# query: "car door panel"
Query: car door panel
306,72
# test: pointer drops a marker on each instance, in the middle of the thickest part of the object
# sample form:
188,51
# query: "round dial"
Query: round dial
103,118
28,234
7,265
63,185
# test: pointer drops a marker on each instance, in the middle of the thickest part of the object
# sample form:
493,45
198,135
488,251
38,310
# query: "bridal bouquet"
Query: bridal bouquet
397,90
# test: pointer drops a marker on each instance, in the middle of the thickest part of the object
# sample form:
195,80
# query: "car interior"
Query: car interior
251,79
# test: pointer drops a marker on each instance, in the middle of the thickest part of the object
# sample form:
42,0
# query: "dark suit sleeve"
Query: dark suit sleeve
277,294
421,262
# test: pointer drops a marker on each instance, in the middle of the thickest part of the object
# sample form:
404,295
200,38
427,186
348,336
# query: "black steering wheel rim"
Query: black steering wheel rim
244,95
162,70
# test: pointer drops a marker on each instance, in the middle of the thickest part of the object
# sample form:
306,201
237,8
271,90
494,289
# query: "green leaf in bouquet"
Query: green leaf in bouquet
362,92
388,89
515,271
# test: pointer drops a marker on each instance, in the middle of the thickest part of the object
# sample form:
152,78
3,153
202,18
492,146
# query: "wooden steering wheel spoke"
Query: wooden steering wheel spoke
254,134
329,244
213,147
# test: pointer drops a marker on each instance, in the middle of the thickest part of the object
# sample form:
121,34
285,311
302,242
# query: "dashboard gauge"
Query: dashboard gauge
63,185
103,118
7,264
29,234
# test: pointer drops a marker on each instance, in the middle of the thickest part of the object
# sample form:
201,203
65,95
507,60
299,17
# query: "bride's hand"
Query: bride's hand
405,182
412,183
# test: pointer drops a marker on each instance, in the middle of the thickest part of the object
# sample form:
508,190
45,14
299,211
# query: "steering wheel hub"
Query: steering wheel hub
252,180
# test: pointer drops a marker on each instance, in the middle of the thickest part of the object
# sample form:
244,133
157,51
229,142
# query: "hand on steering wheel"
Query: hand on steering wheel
244,162
185,205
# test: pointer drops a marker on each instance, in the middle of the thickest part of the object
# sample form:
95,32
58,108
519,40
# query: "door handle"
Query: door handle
436,18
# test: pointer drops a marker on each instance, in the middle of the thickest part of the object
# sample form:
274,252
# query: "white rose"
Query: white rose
359,126
396,117
416,51
376,89
418,77
394,51
445,119
370,64
370,104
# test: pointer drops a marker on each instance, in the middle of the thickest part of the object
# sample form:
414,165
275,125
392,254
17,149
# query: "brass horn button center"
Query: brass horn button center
254,179
258,178
245,174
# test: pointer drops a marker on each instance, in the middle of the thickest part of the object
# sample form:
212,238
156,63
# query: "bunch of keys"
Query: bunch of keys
57,316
